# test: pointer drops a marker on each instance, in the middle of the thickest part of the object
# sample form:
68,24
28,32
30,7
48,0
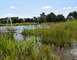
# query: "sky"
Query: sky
31,8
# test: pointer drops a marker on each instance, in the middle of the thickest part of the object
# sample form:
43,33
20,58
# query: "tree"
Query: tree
34,19
60,18
3,20
42,17
50,17
20,20
27,20
73,14
14,19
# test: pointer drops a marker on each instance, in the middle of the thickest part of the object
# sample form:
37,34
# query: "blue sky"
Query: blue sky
30,8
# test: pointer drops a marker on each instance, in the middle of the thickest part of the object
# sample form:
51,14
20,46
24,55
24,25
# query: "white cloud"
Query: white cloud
13,15
66,8
46,7
9,15
75,7
12,7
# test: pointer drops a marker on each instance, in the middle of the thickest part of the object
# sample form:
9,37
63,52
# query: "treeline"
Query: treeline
51,17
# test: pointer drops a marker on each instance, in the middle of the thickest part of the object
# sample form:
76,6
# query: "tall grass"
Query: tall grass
11,49
58,34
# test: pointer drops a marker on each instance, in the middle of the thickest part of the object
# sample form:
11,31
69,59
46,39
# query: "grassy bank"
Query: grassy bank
22,24
18,24
11,49
58,34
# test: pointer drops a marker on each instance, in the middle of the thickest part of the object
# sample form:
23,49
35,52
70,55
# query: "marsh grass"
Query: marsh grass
58,34
63,33
11,49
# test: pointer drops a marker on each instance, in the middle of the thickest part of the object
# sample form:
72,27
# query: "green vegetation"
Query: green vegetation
61,34
11,49
18,24
58,34
43,18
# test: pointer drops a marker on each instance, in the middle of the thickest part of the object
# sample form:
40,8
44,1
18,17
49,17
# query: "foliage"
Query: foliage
59,18
73,14
58,34
51,17
11,49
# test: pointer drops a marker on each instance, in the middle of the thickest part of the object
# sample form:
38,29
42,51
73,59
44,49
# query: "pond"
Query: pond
19,29
69,53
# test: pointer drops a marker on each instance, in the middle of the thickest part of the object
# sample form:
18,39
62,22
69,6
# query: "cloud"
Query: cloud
12,7
66,8
9,15
46,7
13,15
75,7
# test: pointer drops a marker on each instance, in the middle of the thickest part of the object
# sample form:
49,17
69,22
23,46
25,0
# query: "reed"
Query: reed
11,49
58,34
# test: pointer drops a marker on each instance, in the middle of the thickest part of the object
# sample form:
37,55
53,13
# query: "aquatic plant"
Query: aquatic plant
59,34
11,49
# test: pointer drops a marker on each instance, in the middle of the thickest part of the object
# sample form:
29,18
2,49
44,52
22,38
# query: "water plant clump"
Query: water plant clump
58,34
54,40
11,49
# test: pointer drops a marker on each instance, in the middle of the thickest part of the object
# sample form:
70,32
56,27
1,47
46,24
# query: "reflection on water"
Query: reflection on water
19,29
18,36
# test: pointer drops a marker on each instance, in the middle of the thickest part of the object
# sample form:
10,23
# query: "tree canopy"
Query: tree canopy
51,17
